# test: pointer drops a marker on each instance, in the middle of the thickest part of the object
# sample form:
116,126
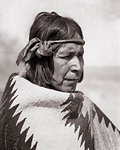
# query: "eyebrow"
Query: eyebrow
65,51
72,52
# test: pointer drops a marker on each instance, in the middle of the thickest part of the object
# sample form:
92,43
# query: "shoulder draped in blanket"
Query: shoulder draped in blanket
37,118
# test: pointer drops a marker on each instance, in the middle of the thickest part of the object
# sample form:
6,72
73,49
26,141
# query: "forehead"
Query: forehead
70,47
67,47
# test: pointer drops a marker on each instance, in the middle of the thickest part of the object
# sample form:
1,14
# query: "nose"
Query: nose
76,64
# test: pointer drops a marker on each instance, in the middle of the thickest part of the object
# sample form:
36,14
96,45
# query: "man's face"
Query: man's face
68,66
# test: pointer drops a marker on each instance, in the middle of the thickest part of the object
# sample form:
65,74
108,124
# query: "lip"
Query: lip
75,79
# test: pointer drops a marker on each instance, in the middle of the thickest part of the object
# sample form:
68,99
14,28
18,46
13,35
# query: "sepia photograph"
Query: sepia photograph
59,75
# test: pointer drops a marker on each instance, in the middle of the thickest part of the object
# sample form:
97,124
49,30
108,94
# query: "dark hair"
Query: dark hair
49,26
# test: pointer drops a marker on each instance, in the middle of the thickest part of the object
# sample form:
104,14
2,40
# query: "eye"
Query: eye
67,57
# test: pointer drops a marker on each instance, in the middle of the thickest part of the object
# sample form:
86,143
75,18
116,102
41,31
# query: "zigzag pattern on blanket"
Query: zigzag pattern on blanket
75,117
12,106
78,111
10,133
92,123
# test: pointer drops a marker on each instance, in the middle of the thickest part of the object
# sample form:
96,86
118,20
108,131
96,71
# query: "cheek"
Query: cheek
60,69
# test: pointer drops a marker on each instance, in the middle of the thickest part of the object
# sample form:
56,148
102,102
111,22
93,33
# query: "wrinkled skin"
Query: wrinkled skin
67,63
68,66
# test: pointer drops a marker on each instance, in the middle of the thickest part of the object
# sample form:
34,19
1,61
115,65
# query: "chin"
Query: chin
64,88
67,89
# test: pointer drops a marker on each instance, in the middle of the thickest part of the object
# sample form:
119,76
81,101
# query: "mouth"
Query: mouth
71,80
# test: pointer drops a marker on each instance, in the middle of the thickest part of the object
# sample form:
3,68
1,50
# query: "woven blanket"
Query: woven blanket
37,118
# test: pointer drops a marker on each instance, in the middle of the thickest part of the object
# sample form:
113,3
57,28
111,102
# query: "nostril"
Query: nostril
76,67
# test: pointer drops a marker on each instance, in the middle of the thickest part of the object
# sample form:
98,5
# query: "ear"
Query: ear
81,78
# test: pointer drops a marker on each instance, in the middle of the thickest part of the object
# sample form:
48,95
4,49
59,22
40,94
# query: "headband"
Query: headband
45,47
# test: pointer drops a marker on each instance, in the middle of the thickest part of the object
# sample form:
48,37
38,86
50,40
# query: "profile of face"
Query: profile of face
63,69
68,66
